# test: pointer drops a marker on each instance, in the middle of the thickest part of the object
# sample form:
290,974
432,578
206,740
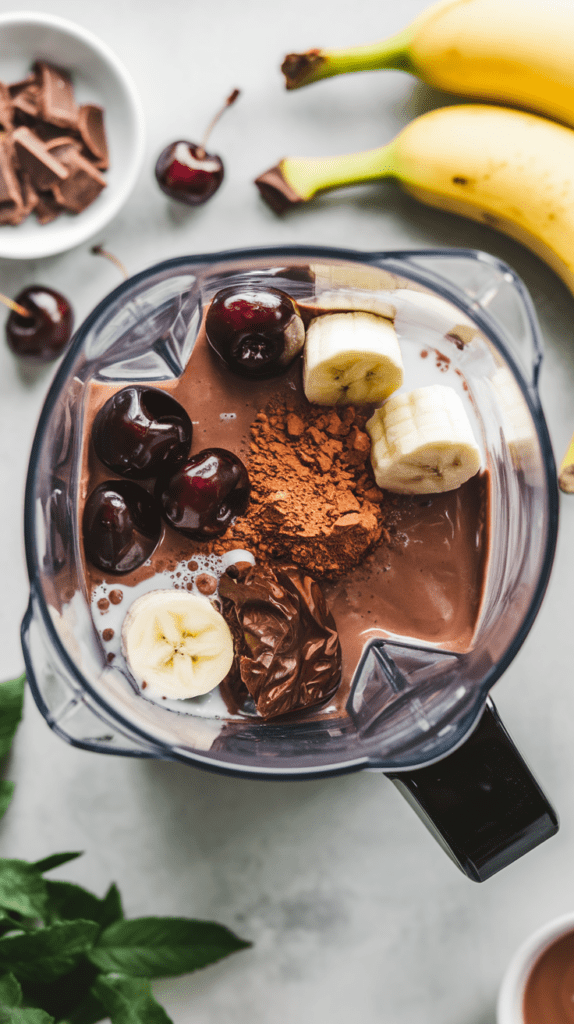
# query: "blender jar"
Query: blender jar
411,703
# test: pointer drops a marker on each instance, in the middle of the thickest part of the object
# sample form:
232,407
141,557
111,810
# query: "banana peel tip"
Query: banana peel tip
301,68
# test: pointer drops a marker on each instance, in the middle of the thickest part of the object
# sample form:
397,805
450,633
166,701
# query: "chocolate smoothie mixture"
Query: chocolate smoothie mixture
387,564
549,991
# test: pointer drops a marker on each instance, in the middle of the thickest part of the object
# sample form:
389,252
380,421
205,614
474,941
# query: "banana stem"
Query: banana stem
566,471
296,179
304,68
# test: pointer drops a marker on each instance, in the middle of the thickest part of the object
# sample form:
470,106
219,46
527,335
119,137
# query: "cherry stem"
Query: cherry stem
15,306
98,250
230,99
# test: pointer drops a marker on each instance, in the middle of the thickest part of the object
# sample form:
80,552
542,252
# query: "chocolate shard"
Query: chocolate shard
27,102
276,191
287,650
57,103
6,108
83,183
10,191
92,130
47,208
35,158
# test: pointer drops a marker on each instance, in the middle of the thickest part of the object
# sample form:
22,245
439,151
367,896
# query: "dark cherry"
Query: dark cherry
121,525
44,333
141,432
257,332
186,171
202,497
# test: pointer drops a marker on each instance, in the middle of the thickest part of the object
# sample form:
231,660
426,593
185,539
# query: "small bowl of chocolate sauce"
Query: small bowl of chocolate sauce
538,986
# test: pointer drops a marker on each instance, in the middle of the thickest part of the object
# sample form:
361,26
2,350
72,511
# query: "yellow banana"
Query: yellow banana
508,51
506,168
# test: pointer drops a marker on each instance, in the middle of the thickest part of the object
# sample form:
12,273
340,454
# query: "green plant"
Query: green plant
70,957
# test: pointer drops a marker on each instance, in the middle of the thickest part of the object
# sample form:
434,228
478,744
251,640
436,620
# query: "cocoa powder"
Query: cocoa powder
313,500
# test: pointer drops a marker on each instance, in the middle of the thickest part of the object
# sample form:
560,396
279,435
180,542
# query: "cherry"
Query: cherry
142,431
40,324
121,524
202,497
256,332
186,171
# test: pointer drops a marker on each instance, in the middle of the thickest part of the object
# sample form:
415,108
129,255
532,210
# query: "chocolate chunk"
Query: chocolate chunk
287,650
93,133
83,183
27,101
6,108
47,208
35,158
9,185
57,103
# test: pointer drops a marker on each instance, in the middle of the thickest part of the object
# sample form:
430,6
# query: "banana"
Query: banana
422,442
566,470
176,643
351,359
506,168
512,53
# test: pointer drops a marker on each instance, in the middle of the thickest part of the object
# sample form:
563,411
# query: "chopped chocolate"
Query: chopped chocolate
287,650
27,101
35,158
6,108
57,103
10,191
83,183
93,133
46,140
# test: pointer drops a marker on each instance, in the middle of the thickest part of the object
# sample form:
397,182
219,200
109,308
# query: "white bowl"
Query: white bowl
511,995
98,77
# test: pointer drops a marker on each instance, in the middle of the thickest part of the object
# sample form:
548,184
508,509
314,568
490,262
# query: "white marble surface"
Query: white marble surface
354,911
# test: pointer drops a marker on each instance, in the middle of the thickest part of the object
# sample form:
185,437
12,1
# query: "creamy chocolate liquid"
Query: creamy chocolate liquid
423,580
549,991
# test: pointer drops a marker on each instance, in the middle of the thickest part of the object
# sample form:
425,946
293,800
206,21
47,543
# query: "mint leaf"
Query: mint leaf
10,991
54,861
24,1015
6,791
66,995
89,1011
160,947
68,902
11,702
112,909
45,954
22,888
129,1000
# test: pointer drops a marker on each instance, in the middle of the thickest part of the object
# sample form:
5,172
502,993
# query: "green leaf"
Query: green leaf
89,1011
11,702
160,947
47,953
54,861
6,791
10,991
129,1000
22,888
66,995
112,909
68,902
24,1015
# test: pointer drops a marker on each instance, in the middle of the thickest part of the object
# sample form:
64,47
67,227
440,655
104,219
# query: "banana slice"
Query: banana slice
176,643
354,301
351,359
422,442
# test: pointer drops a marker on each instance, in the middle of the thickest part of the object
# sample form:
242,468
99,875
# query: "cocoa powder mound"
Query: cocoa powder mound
313,500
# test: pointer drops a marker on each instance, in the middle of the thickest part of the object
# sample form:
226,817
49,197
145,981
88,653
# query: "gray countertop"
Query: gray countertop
354,911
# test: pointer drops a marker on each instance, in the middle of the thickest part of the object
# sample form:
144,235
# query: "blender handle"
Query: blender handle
481,802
